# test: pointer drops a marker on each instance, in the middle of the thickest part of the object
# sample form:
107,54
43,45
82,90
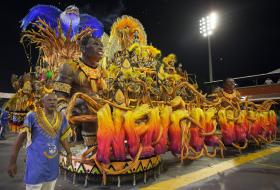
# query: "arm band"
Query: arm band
62,87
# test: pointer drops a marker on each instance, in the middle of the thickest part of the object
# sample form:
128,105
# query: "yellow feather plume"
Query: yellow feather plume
125,29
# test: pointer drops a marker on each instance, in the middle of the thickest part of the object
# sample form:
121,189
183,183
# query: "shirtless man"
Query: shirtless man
229,93
82,75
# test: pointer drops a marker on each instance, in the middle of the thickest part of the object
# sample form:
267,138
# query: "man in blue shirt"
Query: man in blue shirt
3,123
45,130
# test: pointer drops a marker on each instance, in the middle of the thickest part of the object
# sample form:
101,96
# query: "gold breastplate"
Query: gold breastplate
93,75
90,72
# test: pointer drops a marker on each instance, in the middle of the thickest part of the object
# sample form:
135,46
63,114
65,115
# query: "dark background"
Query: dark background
246,41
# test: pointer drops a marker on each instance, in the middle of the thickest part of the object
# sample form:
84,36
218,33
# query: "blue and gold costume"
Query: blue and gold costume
43,145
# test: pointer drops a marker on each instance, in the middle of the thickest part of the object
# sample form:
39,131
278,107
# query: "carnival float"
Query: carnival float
137,104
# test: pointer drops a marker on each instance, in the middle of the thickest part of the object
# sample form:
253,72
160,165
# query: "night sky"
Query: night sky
246,41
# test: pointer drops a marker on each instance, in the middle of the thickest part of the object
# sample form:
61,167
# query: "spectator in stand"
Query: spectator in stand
268,81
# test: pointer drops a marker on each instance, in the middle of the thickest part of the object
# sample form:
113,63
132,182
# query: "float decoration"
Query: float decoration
149,106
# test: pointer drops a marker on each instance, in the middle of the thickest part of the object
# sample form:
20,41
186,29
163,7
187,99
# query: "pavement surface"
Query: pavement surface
257,168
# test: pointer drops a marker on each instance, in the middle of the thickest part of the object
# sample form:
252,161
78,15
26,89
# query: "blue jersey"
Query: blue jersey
3,118
43,146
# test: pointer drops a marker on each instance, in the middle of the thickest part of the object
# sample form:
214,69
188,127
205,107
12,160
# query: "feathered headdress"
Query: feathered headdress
53,45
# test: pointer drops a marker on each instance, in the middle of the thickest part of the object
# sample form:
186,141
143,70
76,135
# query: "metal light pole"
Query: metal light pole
210,60
207,26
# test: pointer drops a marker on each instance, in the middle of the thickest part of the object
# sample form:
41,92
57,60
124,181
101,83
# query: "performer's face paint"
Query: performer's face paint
94,50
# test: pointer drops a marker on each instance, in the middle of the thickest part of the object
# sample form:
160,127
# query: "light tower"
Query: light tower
207,26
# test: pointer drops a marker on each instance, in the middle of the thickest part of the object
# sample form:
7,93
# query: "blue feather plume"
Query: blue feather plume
48,13
92,22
